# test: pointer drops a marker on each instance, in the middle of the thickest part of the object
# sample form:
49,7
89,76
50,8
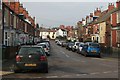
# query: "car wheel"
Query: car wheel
45,68
17,71
99,56
48,54
85,54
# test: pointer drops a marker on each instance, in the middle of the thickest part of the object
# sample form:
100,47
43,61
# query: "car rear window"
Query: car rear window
43,45
94,45
30,50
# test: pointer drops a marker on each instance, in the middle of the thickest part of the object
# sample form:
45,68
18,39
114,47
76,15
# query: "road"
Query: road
68,64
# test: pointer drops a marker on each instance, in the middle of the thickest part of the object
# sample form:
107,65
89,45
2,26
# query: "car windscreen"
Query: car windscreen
71,44
94,45
30,50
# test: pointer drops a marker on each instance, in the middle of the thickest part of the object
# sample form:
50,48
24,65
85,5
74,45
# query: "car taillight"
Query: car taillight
43,58
47,49
18,58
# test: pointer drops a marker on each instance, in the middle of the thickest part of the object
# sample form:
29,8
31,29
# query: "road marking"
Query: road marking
94,73
84,74
107,72
83,61
66,76
51,76
67,55
64,54
115,71
5,72
107,59
98,58
78,74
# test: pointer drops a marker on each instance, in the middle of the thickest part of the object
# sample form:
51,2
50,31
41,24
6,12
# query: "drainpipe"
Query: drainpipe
3,23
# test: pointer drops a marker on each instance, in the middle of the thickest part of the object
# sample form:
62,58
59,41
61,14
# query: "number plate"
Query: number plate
30,64
93,51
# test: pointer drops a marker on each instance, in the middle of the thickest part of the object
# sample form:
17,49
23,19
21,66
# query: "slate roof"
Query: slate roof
106,15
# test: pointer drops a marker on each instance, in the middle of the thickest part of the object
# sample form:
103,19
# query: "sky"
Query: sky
53,14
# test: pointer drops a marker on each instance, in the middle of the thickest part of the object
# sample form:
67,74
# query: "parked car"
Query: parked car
56,40
91,49
31,58
75,46
59,43
46,41
80,46
45,47
63,44
69,45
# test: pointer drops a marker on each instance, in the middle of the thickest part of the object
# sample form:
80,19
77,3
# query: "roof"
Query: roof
63,29
43,30
105,15
30,46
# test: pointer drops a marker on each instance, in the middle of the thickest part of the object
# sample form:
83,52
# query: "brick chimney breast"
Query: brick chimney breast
97,12
118,3
110,6
91,14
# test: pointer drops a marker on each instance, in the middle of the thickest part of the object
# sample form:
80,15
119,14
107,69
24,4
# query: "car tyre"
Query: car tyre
85,54
17,71
45,68
99,56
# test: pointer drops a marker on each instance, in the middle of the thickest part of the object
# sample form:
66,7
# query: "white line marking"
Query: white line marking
67,55
107,72
5,72
98,58
83,61
51,76
64,54
65,76
115,71
78,74
83,74
94,73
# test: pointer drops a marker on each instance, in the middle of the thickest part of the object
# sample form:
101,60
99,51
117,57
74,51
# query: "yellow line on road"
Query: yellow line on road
5,72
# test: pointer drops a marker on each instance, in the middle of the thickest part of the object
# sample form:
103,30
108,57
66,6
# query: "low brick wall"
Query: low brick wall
110,51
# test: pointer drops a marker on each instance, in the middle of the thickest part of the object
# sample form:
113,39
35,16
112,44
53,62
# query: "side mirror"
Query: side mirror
16,53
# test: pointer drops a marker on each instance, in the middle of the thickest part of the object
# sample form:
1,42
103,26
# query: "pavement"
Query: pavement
5,66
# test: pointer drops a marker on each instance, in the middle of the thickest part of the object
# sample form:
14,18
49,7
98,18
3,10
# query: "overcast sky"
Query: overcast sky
53,14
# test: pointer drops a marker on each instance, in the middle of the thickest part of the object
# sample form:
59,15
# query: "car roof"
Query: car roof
30,46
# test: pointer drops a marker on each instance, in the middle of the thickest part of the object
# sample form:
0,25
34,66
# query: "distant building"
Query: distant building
47,33
61,32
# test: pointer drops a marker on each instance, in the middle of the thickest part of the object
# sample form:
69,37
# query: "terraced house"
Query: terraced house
115,22
19,27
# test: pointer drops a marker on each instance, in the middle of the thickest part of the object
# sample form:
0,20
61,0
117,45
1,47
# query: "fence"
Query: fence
110,51
9,52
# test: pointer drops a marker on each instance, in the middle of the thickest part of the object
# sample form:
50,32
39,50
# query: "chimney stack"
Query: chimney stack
118,4
97,12
111,6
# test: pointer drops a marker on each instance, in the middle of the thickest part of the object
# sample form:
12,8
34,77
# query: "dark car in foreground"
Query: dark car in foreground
91,49
31,58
